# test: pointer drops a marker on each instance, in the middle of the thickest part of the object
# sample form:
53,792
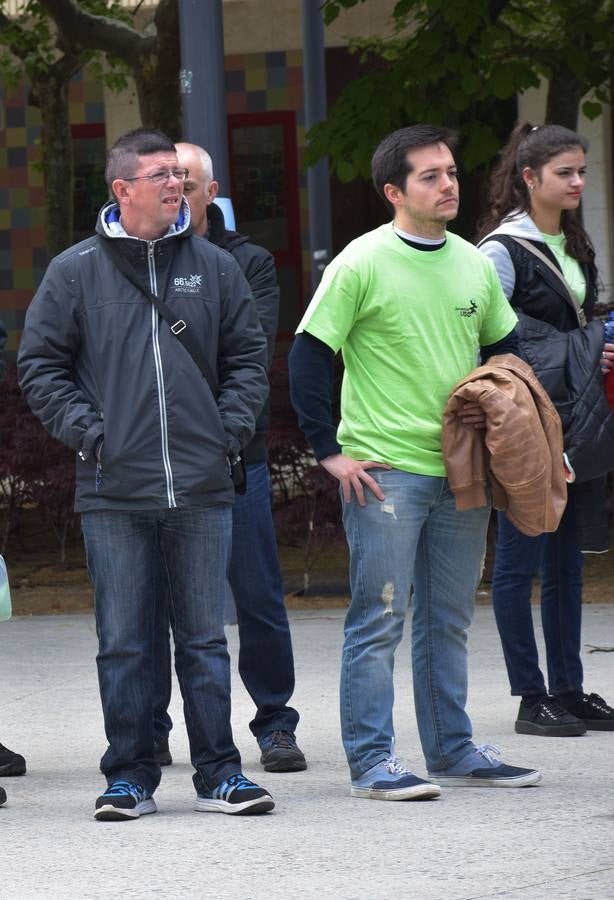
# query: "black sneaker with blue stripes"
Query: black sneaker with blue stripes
123,800
236,796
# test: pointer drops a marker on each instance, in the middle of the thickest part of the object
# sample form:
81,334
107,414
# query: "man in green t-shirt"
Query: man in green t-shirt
409,306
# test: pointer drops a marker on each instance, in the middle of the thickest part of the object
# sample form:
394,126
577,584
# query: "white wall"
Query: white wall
258,26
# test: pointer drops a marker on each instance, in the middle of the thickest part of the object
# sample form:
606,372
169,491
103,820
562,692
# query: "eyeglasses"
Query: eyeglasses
161,176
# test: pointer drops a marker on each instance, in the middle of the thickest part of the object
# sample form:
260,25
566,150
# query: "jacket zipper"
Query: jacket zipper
170,493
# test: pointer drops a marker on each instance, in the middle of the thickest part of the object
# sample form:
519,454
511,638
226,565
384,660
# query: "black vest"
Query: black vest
539,293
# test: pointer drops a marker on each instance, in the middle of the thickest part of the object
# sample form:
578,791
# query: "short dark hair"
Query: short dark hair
390,165
122,158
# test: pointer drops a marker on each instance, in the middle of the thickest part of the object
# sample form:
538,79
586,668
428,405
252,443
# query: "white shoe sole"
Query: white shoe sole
417,792
248,808
110,813
469,781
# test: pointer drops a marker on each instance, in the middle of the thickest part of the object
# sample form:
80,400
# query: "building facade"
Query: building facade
266,137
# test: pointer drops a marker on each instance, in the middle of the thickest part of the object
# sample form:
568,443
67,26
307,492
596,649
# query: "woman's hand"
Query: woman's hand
607,358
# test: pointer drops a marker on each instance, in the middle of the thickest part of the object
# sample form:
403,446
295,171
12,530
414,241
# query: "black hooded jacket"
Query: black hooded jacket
565,358
97,361
258,266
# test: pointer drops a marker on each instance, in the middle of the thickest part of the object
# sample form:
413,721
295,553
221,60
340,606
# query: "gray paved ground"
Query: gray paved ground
552,841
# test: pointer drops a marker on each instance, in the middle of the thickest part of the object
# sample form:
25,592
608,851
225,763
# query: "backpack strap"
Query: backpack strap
180,328
183,332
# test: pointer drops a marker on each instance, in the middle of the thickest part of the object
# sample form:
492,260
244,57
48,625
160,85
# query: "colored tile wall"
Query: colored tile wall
255,82
23,253
264,82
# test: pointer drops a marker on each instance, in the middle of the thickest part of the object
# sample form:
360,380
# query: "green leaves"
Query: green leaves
32,47
592,109
481,144
502,83
332,8
346,171
458,59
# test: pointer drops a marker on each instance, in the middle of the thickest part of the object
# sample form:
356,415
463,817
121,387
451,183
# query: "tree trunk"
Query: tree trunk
153,58
157,86
52,94
564,95
157,74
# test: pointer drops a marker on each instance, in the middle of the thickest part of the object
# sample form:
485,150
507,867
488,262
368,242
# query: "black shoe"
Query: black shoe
162,754
593,711
123,800
2,796
280,753
11,763
549,718
236,796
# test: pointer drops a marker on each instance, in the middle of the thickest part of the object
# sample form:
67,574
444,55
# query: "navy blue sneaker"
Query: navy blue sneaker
280,753
123,800
236,796
390,780
480,769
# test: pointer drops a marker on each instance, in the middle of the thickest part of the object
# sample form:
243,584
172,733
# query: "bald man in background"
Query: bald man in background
266,662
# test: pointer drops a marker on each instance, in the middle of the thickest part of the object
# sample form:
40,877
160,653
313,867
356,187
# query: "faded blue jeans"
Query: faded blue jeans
414,536
124,550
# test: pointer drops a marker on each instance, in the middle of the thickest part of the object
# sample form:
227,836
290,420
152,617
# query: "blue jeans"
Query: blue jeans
414,536
266,662
559,562
124,550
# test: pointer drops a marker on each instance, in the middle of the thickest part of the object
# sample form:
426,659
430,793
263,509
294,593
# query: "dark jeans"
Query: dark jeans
128,555
266,663
559,562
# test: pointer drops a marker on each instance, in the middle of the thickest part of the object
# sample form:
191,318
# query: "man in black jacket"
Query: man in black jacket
266,663
155,443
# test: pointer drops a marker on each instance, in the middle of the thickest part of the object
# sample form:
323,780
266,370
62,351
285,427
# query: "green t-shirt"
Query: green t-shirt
570,267
409,324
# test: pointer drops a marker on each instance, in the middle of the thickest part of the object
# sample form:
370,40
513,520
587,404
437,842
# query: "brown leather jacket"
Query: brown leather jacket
520,452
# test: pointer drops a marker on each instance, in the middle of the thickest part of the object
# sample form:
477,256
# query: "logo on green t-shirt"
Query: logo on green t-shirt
467,311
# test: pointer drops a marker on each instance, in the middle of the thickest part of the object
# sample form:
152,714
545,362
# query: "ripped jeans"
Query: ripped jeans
414,536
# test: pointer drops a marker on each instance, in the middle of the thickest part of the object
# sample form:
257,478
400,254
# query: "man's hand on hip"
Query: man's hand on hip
352,473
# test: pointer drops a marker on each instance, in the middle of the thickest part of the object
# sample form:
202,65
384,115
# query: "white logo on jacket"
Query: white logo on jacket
188,284
190,281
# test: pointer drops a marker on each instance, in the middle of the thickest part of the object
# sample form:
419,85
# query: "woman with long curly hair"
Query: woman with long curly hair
534,235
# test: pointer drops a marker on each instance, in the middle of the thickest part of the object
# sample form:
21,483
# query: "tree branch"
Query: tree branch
98,32
67,66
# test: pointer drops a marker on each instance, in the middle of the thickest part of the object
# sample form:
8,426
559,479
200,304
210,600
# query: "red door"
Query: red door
264,183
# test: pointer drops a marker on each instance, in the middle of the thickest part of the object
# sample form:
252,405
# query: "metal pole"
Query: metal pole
202,82
318,184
